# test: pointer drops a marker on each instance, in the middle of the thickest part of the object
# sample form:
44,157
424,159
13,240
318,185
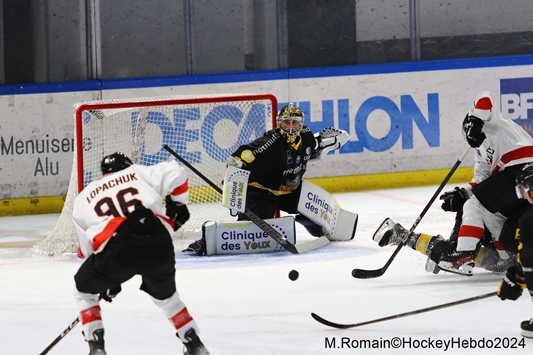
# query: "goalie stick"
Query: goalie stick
401,315
371,274
267,228
61,336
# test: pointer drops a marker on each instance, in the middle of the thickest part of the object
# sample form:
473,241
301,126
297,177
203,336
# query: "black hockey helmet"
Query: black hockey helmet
524,180
115,162
290,121
473,130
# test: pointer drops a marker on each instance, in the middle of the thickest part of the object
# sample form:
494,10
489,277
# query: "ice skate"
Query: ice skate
527,328
96,347
193,344
390,233
490,260
458,262
196,247
432,266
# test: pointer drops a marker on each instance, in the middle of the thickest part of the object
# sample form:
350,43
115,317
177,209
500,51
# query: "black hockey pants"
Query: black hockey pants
127,255
497,192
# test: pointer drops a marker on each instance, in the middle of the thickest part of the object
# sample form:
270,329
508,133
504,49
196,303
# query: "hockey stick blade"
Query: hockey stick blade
267,228
370,274
401,315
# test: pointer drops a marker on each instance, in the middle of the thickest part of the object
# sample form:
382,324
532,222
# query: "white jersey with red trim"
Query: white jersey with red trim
102,206
506,143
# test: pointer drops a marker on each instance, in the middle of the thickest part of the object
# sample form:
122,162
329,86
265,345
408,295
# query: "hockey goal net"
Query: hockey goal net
204,130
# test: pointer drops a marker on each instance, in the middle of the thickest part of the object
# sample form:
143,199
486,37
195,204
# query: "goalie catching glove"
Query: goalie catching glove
177,212
328,140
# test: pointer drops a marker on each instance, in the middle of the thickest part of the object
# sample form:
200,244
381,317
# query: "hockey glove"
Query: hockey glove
328,140
110,293
453,201
511,288
177,212
472,131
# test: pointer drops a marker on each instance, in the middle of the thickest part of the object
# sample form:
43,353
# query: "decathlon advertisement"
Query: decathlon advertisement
400,121
401,117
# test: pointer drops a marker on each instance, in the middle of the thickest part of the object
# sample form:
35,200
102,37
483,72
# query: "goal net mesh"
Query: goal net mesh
204,130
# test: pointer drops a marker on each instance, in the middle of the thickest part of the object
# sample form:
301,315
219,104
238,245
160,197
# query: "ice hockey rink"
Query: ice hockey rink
246,304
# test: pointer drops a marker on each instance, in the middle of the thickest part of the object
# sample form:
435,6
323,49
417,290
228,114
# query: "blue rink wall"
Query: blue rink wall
404,120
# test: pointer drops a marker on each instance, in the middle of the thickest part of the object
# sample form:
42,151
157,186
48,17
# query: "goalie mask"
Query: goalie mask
290,121
114,162
524,181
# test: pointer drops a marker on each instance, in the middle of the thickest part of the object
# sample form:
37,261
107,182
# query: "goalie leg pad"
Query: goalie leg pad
235,189
314,229
346,226
244,237
321,207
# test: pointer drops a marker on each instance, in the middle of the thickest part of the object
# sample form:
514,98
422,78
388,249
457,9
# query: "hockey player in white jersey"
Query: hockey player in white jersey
502,148
124,230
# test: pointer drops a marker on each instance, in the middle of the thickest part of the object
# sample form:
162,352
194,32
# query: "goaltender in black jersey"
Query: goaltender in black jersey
277,162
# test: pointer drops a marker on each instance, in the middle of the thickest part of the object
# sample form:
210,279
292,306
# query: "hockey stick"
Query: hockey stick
371,274
267,228
61,336
401,315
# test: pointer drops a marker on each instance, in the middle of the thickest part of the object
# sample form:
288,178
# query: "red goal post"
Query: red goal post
204,130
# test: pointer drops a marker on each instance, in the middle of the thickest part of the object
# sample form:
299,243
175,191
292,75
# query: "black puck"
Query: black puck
293,275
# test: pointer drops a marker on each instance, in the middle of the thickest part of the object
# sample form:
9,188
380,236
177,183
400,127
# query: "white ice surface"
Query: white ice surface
246,304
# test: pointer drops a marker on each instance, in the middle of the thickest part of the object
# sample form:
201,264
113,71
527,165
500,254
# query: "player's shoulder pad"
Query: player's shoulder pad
267,139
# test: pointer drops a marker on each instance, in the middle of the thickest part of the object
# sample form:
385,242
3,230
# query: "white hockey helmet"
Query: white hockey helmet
290,121
483,106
